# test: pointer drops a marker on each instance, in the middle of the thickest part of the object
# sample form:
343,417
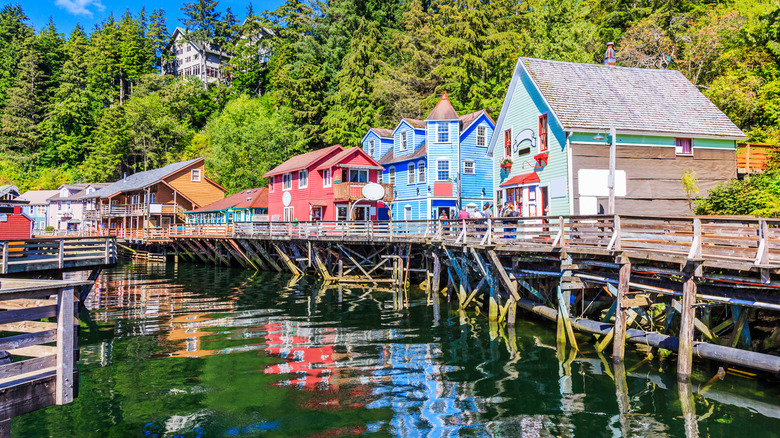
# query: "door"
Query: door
360,214
316,213
443,210
532,201
341,213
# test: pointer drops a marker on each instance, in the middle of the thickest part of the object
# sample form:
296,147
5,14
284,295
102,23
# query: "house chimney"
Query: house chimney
124,178
609,55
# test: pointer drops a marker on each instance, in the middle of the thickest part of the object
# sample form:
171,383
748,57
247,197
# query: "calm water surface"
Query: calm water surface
184,350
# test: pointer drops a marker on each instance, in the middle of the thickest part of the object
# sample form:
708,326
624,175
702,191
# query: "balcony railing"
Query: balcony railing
352,191
122,210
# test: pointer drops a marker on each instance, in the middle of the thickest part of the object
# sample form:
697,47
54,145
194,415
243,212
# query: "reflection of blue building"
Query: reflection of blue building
424,404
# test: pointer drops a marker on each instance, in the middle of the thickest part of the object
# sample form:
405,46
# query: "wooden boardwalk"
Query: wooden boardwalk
695,285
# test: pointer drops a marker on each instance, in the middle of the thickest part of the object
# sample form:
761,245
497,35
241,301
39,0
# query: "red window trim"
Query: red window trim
543,133
678,147
508,142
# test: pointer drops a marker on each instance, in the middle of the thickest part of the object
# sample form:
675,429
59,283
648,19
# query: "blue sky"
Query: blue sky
67,13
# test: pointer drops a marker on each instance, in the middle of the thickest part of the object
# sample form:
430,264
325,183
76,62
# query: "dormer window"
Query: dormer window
371,148
195,175
683,146
443,132
404,143
481,135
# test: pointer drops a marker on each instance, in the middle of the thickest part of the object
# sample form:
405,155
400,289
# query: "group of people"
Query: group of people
509,210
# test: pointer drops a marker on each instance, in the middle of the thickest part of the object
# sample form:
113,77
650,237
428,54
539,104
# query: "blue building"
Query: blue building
38,208
435,165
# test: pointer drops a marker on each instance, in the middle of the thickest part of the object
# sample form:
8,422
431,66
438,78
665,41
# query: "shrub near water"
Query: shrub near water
757,195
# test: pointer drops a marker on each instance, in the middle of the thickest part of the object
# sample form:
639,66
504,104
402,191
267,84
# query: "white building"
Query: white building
194,59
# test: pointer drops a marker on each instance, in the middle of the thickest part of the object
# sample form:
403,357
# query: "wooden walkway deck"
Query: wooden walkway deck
63,253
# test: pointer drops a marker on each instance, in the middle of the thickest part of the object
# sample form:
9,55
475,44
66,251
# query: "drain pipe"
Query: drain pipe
734,356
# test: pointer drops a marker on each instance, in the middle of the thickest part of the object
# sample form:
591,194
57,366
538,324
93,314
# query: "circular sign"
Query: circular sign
286,199
373,191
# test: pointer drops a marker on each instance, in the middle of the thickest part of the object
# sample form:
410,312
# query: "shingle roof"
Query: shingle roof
467,119
80,194
303,161
140,180
443,110
382,132
592,96
38,197
249,198
416,123
390,158
332,161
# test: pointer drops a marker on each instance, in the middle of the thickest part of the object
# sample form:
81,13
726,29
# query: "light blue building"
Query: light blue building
38,208
435,165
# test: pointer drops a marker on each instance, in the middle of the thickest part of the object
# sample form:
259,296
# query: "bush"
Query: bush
756,195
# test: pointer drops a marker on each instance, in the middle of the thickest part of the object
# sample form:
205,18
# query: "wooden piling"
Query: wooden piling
619,341
687,315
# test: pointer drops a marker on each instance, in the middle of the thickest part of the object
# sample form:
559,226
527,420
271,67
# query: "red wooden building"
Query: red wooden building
323,185
14,224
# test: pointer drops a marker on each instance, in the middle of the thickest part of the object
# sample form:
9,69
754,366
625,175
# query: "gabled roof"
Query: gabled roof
414,123
336,159
382,132
141,180
443,110
80,191
249,198
8,188
390,158
38,197
303,161
467,119
590,97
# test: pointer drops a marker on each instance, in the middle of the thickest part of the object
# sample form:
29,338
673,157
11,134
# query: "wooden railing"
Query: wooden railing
352,191
753,157
169,208
35,374
752,240
55,253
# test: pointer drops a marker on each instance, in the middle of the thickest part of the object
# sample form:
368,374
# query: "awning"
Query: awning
526,178
318,203
74,221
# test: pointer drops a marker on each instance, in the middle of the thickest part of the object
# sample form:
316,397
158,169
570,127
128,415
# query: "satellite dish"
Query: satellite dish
286,199
373,191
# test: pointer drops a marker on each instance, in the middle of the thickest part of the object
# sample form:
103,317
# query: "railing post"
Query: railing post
762,255
5,257
695,252
562,226
108,251
614,243
61,254
64,369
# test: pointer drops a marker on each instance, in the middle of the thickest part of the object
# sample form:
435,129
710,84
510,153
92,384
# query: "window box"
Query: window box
506,164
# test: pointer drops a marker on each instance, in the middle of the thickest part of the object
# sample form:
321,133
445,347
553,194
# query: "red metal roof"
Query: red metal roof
525,178
303,161
249,198
338,158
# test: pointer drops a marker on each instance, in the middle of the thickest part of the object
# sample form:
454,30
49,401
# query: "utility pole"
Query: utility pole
611,179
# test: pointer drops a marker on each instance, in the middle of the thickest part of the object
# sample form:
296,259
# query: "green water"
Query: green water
190,351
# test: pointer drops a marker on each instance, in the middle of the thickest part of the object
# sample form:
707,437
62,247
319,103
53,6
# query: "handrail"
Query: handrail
55,253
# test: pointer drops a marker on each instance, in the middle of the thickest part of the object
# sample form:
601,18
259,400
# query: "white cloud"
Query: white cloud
80,7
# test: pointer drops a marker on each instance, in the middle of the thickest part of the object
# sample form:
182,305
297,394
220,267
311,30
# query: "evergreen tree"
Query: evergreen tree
110,148
158,36
103,55
560,30
20,122
135,54
14,31
247,68
51,47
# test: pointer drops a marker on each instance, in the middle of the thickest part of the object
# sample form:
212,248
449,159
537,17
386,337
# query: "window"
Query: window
287,181
391,176
443,170
289,215
371,148
410,173
358,176
543,133
271,184
508,142
683,146
481,135
303,179
59,205
189,48
326,178
444,132
468,167
404,144
195,175
421,172
407,212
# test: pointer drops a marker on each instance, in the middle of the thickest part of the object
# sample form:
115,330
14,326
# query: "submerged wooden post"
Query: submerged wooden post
64,368
688,316
619,342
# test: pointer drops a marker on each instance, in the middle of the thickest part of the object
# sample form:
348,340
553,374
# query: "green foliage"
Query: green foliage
690,185
757,195
249,138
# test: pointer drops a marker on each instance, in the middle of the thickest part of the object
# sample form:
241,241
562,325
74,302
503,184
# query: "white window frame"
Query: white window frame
289,214
286,181
371,147
482,136
326,179
438,170
678,149
473,167
421,172
404,140
410,170
195,175
445,133
391,175
303,178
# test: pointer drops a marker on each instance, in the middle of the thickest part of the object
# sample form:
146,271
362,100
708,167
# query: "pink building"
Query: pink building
323,185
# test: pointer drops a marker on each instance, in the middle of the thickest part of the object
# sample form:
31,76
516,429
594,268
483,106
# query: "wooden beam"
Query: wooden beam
508,284
619,344
259,247
287,261
688,314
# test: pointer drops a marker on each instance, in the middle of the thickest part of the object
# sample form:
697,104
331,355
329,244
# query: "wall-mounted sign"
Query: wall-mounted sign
373,191
286,199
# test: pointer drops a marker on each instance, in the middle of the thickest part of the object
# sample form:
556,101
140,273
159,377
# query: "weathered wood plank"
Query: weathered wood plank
65,344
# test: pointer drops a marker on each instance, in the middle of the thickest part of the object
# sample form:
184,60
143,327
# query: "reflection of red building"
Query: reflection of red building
312,364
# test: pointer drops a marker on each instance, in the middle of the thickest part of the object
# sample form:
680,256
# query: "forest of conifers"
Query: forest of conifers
91,105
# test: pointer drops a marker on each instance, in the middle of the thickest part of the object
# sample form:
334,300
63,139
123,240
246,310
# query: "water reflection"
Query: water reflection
171,350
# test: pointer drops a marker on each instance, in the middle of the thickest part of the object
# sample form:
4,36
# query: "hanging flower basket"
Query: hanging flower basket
506,164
